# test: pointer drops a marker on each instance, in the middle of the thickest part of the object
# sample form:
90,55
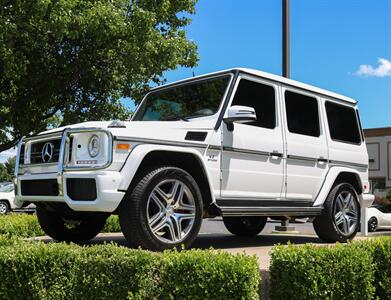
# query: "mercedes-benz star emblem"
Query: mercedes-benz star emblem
47,152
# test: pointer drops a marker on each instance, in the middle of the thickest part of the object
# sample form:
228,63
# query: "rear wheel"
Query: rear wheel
245,226
4,207
372,224
163,211
78,229
341,217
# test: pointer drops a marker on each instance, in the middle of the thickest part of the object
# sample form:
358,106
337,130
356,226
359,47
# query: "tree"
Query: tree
7,169
68,61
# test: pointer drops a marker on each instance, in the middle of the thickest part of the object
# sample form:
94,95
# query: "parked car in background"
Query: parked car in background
4,183
7,200
379,217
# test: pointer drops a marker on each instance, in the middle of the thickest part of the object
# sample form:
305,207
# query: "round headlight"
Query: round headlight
94,146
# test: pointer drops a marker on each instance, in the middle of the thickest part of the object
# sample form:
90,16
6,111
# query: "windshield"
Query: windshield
7,188
197,99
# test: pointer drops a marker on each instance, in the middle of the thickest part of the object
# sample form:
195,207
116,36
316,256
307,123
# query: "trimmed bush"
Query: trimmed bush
380,250
314,272
24,225
198,274
21,225
36,270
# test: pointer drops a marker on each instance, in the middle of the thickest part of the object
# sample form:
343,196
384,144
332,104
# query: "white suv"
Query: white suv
239,143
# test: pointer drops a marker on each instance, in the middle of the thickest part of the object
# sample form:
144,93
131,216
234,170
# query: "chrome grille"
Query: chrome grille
38,157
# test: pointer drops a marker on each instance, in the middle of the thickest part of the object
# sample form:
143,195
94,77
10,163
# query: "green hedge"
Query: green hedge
24,225
380,250
322,272
36,270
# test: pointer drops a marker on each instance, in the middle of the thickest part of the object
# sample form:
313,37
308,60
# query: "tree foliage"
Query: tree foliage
7,169
67,61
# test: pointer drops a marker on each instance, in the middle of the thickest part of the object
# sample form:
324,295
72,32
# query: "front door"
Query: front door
252,158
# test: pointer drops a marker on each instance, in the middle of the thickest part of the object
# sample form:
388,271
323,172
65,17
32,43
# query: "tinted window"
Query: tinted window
302,114
192,100
259,96
343,123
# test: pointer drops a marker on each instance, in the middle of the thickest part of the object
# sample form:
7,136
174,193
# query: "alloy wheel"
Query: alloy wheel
346,213
171,211
3,208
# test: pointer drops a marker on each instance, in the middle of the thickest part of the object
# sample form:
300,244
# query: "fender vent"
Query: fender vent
196,136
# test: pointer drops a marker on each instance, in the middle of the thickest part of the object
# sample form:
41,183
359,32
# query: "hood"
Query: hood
170,130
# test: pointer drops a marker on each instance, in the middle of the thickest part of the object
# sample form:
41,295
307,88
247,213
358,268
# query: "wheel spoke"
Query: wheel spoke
174,229
155,218
177,192
161,193
348,201
345,225
184,216
160,225
340,219
340,202
157,201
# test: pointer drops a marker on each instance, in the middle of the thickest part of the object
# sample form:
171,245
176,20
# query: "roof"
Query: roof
372,132
273,77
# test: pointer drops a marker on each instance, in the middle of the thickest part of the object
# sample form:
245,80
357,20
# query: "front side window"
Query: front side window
261,97
302,114
192,100
343,123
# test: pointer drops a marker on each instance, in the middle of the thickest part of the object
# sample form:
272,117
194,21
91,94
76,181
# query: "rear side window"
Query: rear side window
302,114
343,123
261,97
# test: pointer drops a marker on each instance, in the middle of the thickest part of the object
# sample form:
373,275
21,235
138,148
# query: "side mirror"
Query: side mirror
239,114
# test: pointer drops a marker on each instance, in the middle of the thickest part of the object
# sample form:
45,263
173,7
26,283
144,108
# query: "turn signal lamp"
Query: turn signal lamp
123,147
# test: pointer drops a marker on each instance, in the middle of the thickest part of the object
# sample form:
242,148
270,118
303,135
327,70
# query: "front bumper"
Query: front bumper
53,186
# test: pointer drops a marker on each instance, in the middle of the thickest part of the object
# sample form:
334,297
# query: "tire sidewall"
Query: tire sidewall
188,180
336,191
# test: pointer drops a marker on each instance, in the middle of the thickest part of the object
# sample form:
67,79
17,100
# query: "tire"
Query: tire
76,229
340,219
372,224
245,226
161,199
4,207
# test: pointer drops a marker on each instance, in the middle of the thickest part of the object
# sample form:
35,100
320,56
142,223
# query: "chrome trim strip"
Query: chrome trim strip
305,158
344,163
238,150
160,142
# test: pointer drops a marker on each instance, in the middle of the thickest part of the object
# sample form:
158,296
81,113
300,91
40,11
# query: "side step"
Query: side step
232,211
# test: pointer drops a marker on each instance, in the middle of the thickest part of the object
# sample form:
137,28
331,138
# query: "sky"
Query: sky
342,46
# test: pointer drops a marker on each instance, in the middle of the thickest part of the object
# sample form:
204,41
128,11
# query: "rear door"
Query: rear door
307,153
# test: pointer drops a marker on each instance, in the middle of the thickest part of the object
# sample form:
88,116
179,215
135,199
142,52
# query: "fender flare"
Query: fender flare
328,183
138,154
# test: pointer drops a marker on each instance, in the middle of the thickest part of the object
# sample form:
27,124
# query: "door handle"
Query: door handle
323,160
276,154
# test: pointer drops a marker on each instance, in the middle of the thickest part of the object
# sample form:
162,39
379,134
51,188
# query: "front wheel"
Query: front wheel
163,211
372,224
245,226
78,229
341,216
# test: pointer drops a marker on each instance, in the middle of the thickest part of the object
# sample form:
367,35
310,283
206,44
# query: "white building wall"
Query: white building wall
379,151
